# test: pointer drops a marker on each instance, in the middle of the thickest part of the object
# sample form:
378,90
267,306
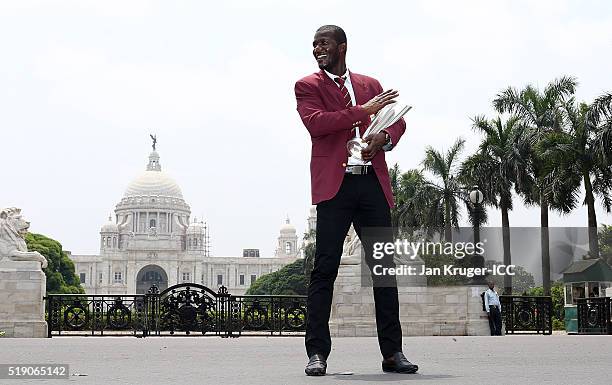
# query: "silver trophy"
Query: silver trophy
386,117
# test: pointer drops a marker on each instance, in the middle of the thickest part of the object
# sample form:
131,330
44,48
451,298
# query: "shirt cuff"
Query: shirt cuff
388,146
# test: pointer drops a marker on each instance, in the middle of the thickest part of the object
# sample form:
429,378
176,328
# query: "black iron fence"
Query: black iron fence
527,314
184,309
594,315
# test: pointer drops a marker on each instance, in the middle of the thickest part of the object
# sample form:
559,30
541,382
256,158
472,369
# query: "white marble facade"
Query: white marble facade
152,239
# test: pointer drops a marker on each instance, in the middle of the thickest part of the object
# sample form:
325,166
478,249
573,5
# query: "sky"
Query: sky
84,83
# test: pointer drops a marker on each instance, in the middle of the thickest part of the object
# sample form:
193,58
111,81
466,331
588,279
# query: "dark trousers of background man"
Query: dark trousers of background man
361,201
495,320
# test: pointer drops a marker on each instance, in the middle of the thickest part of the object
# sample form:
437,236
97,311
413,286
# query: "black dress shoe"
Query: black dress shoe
398,363
317,365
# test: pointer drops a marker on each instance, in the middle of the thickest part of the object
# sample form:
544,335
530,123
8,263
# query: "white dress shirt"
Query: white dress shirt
349,87
347,84
491,298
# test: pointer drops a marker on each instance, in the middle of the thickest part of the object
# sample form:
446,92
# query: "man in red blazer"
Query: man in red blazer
336,105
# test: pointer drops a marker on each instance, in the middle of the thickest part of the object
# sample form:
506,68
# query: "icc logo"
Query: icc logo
503,269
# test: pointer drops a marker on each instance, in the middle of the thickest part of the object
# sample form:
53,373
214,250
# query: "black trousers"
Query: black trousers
362,202
495,321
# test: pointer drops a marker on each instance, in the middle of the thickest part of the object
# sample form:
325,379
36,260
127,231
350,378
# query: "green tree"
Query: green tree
292,279
416,205
495,168
289,280
447,192
522,281
576,151
602,113
61,278
439,261
309,249
558,303
605,243
545,186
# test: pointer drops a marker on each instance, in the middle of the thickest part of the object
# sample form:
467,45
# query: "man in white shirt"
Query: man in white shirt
493,308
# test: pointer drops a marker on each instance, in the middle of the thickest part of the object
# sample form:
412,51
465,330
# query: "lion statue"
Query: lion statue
13,229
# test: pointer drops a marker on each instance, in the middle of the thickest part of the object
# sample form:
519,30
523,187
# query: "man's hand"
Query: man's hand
375,143
379,101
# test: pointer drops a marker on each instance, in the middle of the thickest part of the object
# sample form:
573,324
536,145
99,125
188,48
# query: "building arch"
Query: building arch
150,275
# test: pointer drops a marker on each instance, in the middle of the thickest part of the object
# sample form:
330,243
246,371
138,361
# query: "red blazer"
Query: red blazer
330,124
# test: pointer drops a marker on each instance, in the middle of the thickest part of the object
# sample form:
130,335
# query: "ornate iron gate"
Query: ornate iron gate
594,315
186,309
531,314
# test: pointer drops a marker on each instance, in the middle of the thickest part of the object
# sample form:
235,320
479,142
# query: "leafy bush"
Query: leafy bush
605,243
522,281
61,278
290,280
558,303
439,261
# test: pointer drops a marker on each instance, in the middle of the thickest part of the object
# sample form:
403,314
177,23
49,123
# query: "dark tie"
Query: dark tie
347,97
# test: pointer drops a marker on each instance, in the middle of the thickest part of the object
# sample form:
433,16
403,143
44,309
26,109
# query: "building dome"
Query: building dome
153,182
109,227
196,228
153,200
287,228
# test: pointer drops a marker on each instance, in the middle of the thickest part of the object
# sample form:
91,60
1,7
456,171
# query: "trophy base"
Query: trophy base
354,148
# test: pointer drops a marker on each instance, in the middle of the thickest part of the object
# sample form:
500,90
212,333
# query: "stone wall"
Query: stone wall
22,309
424,311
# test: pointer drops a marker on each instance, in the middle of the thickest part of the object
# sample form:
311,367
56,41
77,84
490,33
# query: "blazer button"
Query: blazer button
343,164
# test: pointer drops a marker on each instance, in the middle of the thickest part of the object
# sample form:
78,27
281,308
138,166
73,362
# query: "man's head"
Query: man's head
329,47
491,284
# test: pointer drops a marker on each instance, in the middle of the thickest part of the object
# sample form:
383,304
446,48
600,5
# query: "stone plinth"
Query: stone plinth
22,309
478,322
424,311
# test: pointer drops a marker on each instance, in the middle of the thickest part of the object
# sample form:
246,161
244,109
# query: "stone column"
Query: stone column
22,309
424,311
131,277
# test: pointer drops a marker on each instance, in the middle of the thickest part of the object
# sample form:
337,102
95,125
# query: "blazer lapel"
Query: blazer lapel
332,90
359,89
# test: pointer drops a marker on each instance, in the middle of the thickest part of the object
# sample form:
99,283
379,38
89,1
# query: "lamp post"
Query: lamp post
476,197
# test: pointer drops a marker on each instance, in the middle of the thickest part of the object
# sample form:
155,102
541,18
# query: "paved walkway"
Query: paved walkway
557,359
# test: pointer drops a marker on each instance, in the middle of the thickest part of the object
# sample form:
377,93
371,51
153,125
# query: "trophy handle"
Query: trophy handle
399,115
388,116
378,122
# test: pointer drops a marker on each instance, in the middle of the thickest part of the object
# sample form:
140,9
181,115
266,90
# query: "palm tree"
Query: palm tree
602,112
501,161
448,192
576,151
414,206
542,113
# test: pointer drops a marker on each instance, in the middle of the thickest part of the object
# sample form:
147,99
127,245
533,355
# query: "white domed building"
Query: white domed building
152,240
287,241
